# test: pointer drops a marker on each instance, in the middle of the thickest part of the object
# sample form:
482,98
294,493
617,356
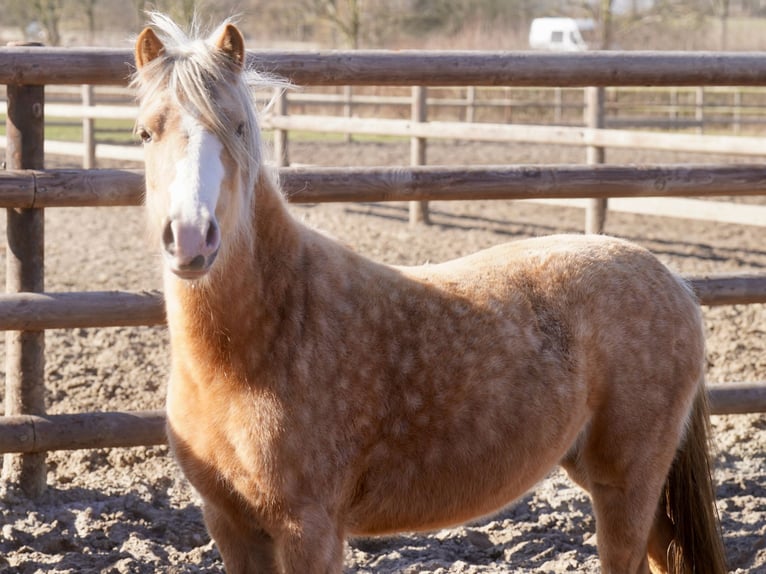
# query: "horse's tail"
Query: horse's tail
688,501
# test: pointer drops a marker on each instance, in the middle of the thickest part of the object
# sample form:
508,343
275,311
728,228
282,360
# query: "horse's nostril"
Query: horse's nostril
212,237
168,238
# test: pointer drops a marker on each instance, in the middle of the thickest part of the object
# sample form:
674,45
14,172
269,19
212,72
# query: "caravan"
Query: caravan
559,34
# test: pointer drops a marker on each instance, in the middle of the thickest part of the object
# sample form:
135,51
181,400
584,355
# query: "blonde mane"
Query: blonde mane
190,68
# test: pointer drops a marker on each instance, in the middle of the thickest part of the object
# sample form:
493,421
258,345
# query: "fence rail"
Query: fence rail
553,183
39,311
41,433
118,187
25,192
104,66
557,135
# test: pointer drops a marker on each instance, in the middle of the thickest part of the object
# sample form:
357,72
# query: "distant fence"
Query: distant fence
668,108
25,189
678,105
727,108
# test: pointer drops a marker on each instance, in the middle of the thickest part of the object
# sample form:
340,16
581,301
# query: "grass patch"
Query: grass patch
333,137
120,132
111,131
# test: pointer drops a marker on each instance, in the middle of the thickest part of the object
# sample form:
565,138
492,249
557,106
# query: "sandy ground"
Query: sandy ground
131,511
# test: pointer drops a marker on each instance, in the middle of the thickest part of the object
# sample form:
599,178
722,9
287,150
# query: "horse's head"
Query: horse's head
201,141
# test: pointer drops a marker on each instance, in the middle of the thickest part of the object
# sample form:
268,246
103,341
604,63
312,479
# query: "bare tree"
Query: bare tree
601,11
49,13
182,11
350,21
345,16
696,12
18,13
140,9
720,9
605,18
88,8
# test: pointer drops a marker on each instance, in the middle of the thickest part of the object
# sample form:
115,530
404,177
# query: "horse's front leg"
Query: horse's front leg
312,544
244,546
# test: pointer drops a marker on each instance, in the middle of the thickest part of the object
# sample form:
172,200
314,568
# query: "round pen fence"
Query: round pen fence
25,189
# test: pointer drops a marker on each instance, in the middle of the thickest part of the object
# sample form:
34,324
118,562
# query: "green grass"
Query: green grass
112,131
120,132
330,137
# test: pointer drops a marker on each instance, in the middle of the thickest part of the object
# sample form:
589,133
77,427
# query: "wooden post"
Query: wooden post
508,96
699,109
595,215
673,112
281,138
348,107
418,209
88,132
470,104
25,350
558,105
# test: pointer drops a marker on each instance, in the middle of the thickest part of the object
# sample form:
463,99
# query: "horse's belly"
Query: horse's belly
392,516
456,481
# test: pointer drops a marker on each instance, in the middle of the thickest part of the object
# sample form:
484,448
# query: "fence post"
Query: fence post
673,111
558,105
88,131
418,209
281,138
348,107
699,109
595,214
470,104
25,350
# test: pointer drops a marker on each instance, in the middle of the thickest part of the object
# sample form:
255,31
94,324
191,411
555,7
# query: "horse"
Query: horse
316,395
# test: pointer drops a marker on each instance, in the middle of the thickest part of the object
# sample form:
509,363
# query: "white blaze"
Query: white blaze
195,189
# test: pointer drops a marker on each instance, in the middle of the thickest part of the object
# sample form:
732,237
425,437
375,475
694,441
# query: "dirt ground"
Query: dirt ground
131,511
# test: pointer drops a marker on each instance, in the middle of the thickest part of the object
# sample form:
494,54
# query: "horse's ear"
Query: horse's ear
232,44
148,47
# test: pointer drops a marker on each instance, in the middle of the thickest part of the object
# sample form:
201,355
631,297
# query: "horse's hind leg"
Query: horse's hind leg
625,479
622,523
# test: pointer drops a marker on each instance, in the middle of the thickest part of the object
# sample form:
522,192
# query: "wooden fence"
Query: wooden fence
593,137
26,189
727,108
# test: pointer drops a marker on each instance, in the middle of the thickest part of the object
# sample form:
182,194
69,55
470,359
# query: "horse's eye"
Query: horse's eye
241,129
144,134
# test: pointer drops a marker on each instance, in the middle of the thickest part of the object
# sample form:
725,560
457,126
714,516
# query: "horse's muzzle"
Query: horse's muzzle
195,269
190,249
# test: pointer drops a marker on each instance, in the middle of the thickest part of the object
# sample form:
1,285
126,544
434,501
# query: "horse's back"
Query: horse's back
607,290
628,322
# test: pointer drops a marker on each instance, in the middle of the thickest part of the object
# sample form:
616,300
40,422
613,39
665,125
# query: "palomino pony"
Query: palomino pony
315,394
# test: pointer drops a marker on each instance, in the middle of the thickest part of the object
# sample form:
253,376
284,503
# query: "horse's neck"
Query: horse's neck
247,289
